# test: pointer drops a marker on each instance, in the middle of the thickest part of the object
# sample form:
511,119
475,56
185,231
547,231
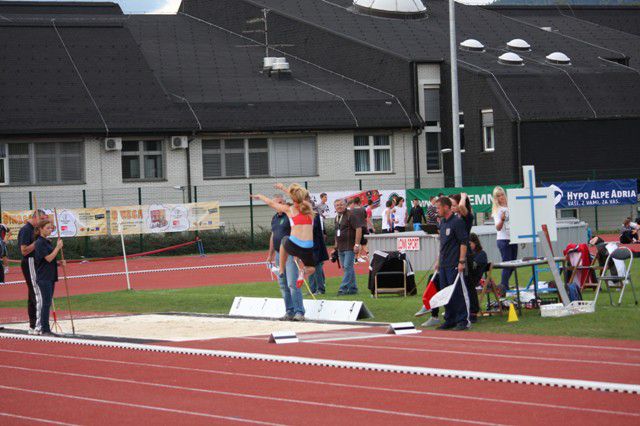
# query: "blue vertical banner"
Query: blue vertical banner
594,193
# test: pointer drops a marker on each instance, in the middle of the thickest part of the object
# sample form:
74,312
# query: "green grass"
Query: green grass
607,322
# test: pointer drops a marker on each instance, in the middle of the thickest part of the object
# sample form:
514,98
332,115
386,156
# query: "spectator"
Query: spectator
369,210
320,255
387,219
416,215
453,252
629,232
5,234
401,216
323,208
478,261
292,295
508,251
432,212
348,231
356,208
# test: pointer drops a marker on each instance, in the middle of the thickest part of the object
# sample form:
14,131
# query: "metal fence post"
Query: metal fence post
360,184
30,200
86,239
253,238
593,176
306,185
140,204
195,200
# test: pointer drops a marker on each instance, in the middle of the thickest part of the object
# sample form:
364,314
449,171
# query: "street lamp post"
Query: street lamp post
455,108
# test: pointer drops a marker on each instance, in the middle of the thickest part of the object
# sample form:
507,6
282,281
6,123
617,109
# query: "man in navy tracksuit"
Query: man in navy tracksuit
453,257
26,242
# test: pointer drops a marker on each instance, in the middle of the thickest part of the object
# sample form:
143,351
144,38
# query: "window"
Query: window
372,153
434,156
42,163
236,157
488,136
569,214
142,160
461,127
432,106
294,157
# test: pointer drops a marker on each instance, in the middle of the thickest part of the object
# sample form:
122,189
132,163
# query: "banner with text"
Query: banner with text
379,197
592,193
480,196
73,222
161,218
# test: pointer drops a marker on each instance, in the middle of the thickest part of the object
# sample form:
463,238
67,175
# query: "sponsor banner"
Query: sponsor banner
592,193
73,222
161,218
378,196
480,196
408,244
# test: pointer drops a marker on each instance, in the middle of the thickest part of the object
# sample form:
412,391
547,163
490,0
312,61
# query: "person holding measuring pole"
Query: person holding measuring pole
46,274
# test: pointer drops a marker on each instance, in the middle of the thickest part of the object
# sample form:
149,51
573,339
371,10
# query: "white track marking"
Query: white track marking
353,336
334,384
141,406
516,342
491,355
253,396
366,366
36,419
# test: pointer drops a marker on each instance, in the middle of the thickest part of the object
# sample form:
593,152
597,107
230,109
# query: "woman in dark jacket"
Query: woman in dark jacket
320,255
46,275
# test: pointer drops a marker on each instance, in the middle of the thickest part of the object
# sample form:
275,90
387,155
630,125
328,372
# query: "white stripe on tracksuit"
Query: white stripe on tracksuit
36,290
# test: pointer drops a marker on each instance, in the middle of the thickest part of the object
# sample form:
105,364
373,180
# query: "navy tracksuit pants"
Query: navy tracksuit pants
45,299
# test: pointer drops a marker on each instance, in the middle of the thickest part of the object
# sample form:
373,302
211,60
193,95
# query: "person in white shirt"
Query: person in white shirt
400,216
508,251
387,220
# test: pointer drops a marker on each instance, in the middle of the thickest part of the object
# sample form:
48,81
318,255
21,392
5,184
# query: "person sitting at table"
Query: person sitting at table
629,232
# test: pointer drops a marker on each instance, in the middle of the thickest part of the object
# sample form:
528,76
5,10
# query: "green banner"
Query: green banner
480,196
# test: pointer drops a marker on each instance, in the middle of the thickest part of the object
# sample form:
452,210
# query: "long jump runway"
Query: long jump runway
83,382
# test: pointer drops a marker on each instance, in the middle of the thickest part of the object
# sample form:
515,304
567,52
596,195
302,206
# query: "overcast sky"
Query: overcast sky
171,6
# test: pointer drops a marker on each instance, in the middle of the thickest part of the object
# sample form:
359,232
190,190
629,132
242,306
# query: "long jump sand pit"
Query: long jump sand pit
183,327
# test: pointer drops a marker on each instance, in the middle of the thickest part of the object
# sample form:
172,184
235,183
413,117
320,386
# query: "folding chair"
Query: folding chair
622,278
489,287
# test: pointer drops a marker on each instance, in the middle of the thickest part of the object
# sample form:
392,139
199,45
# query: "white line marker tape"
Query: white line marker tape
423,371
150,271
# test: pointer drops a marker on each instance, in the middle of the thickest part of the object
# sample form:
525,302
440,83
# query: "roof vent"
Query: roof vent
472,45
558,58
519,44
267,63
281,65
391,8
510,58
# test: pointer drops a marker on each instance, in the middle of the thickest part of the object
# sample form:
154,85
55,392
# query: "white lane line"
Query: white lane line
366,366
485,354
516,342
333,384
251,396
336,338
131,405
36,419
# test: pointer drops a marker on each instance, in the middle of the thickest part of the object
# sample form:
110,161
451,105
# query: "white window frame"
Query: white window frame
491,129
576,215
4,164
372,149
31,156
141,154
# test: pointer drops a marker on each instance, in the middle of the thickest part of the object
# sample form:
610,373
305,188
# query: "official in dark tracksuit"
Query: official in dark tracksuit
46,275
26,242
453,253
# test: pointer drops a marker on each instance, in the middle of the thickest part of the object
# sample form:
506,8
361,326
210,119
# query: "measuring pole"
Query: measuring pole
124,251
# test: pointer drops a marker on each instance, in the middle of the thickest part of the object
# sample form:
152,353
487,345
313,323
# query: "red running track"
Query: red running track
567,358
161,280
82,384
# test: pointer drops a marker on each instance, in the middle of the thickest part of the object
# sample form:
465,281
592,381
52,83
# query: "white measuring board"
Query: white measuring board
323,310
